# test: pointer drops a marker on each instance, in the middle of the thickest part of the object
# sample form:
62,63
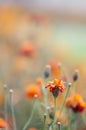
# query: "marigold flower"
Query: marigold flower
32,129
2,123
33,90
27,49
76,103
55,86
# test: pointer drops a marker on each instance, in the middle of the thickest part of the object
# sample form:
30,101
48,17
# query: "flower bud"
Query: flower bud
75,75
47,71
51,114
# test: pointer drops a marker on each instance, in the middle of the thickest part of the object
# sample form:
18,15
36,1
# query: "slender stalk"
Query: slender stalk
62,107
44,124
59,126
73,121
83,118
12,109
5,106
29,120
52,121
73,86
54,107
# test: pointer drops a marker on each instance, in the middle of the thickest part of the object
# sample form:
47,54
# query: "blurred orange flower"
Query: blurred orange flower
27,49
31,129
76,103
2,123
39,81
38,18
33,90
55,86
54,69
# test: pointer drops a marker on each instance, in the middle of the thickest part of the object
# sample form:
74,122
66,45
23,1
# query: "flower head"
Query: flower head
27,49
76,103
33,90
55,86
2,123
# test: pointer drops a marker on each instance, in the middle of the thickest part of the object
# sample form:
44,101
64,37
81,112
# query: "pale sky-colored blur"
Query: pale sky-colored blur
74,6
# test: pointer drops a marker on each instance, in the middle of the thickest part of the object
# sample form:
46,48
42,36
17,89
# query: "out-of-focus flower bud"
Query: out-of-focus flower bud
51,114
47,71
75,75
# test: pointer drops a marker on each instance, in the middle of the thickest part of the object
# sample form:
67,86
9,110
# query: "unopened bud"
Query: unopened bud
5,86
48,108
10,91
59,125
69,85
47,71
51,114
75,75
45,115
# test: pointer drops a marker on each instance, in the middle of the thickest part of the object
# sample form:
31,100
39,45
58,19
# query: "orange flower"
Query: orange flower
55,86
27,49
2,123
54,69
39,81
31,129
33,90
38,18
76,103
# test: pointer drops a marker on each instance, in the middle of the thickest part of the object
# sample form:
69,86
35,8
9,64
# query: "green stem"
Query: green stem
12,109
62,107
29,120
44,91
54,107
72,123
5,106
44,121
83,118
73,86
59,126
50,125
52,122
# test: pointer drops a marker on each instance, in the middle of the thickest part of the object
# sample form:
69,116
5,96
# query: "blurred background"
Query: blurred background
34,33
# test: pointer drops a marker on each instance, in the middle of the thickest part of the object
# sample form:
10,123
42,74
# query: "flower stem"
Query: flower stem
12,109
59,126
62,107
54,107
29,120
73,121
73,86
44,121
5,105
52,122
